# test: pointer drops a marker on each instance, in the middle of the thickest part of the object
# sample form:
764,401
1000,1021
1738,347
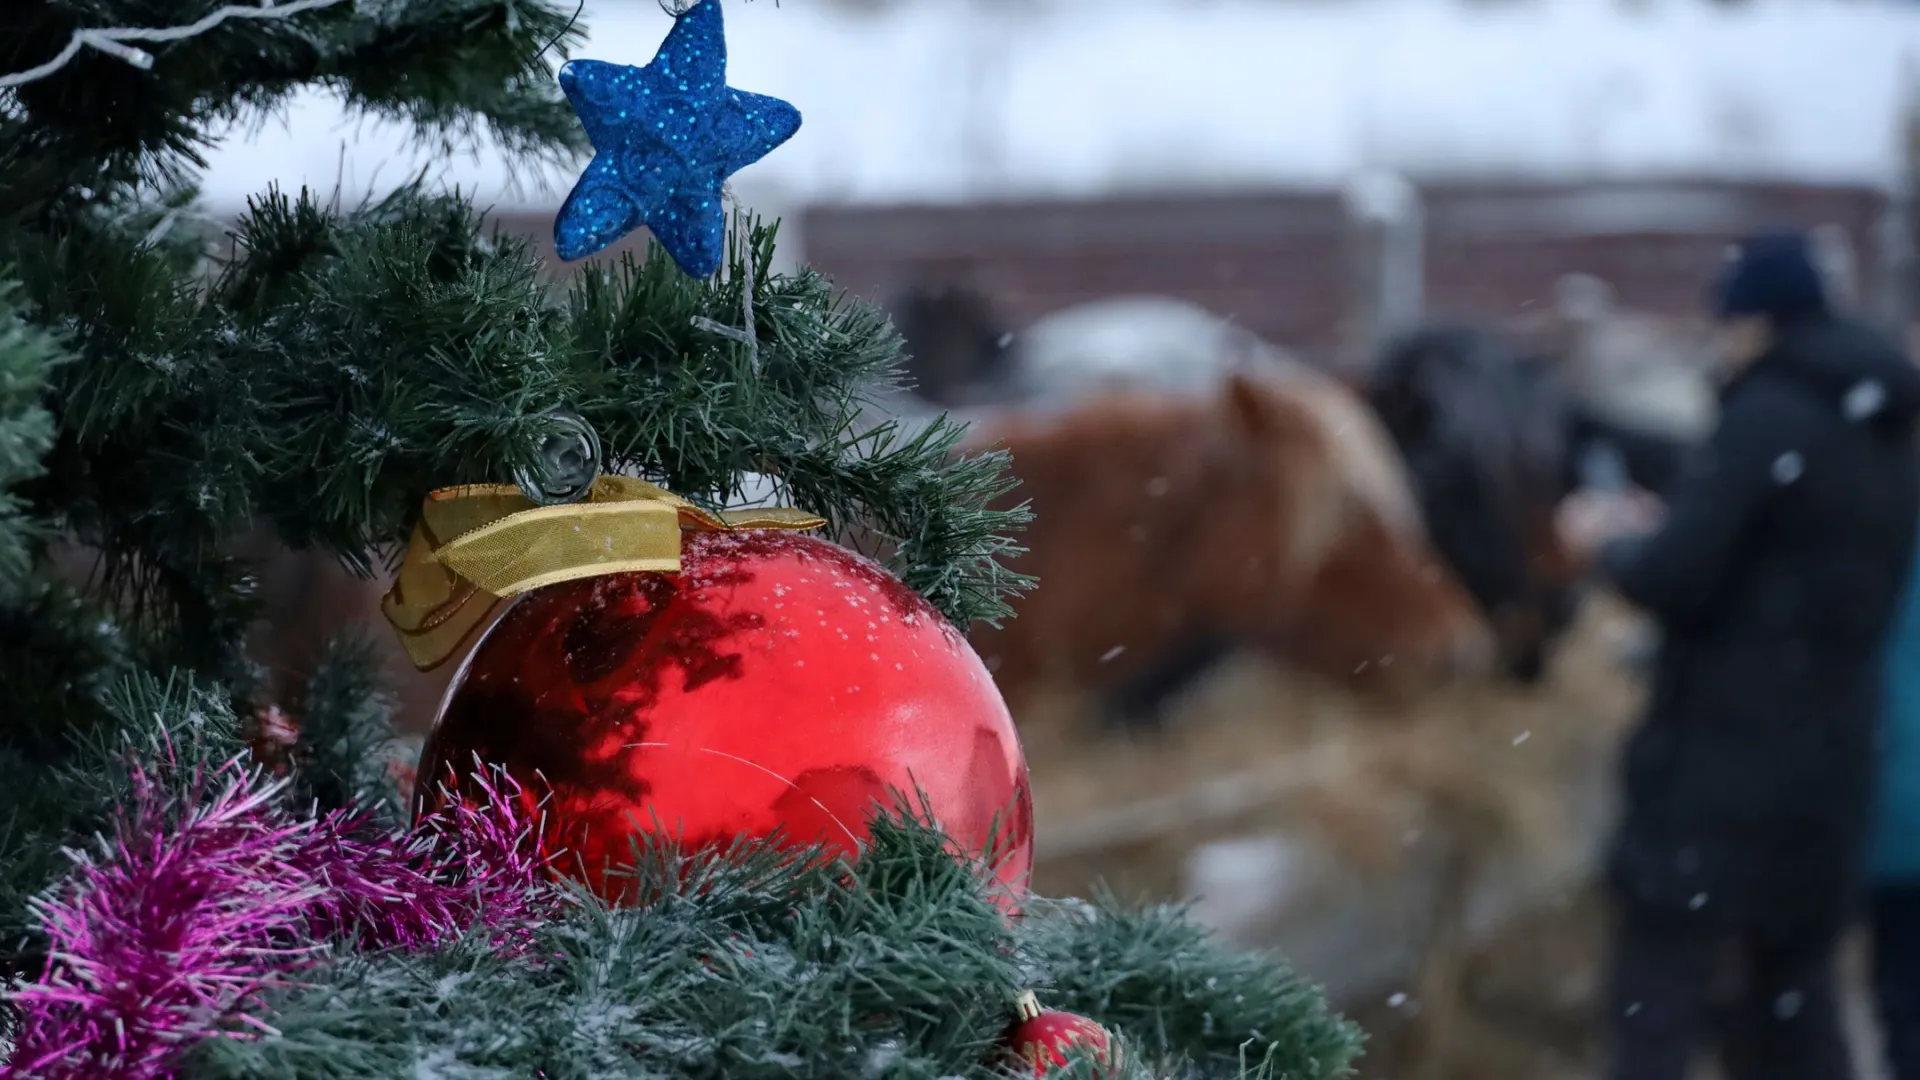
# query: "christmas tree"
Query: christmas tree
170,905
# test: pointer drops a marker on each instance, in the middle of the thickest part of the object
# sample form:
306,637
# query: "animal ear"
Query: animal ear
1251,405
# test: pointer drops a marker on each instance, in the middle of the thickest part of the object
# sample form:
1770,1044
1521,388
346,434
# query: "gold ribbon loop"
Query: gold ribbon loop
503,545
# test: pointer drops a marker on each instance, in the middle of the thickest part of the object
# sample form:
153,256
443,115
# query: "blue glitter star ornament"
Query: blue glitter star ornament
665,139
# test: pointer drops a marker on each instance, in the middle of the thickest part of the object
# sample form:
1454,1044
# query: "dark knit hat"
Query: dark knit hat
1772,274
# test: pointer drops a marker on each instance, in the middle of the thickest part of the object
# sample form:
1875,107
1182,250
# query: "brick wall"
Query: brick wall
1276,262
1494,251
1271,262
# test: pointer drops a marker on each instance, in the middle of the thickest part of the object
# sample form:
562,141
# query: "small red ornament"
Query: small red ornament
274,739
777,681
1041,1037
403,769
271,736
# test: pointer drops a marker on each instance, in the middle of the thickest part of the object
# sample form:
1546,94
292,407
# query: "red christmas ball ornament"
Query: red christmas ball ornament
1041,1037
272,735
777,682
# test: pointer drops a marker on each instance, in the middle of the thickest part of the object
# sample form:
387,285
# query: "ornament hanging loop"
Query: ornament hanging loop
566,461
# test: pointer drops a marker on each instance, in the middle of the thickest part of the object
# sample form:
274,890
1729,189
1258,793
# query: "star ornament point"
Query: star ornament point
665,137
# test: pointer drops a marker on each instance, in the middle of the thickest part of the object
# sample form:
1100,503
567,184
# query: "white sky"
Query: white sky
961,99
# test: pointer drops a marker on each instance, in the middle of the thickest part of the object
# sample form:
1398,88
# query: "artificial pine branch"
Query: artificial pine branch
453,69
163,395
1182,993
346,363
26,433
209,891
346,734
58,797
755,964
61,653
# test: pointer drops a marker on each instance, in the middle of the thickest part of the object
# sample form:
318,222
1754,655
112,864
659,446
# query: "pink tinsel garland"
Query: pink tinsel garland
207,900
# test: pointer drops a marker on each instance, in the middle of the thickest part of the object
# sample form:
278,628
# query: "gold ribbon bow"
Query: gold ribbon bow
503,545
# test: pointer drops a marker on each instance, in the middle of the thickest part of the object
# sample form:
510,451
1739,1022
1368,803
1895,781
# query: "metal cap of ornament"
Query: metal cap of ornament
565,463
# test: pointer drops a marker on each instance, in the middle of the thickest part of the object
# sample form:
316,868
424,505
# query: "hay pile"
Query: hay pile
1423,859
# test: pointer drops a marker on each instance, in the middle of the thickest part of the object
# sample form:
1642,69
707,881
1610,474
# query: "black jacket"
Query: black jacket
1774,581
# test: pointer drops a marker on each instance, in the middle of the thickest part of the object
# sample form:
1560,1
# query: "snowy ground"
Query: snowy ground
966,99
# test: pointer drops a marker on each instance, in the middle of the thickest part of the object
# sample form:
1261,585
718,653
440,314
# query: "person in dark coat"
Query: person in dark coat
1749,784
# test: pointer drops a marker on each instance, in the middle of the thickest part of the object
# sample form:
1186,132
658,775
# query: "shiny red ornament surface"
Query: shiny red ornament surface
777,682
1041,1040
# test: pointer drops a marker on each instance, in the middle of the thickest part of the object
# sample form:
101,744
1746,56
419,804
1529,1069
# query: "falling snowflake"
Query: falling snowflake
1788,467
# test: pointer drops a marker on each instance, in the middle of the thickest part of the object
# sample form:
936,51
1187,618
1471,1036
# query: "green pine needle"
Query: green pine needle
757,965
27,354
167,390
346,733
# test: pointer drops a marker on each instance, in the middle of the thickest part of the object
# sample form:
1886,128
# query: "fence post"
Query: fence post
1386,263
1839,264
1893,246
1894,240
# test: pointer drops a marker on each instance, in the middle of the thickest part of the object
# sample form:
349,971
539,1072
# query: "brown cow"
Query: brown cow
1269,513
1273,512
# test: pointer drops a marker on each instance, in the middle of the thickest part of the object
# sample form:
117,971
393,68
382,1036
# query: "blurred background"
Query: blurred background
1276,668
